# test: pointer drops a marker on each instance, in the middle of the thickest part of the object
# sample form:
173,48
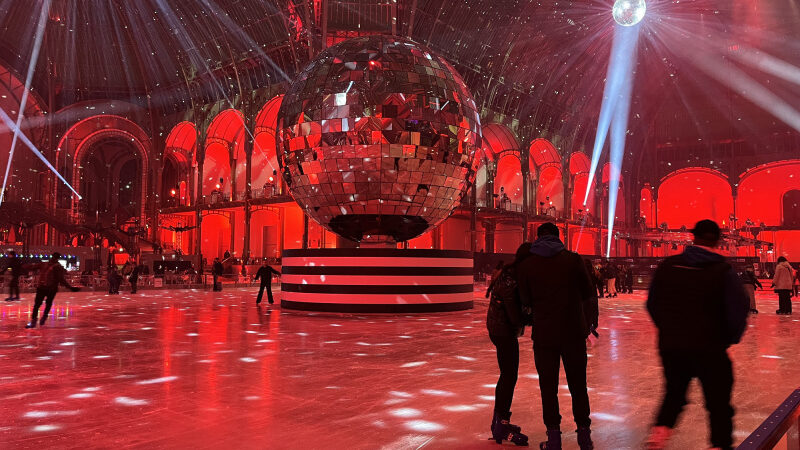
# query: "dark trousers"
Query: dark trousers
548,361
715,372
268,287
784,300
43,295
600,290
13,287
508,361
216,283
133,286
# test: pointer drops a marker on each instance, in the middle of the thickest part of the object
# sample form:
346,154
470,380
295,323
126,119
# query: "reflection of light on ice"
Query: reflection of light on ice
608,417
414,364
127,401
401,394
437,392
772,357
423,425
158,380
43,428
405,412
460,408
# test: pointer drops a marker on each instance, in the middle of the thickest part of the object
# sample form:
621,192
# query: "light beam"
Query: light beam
37,45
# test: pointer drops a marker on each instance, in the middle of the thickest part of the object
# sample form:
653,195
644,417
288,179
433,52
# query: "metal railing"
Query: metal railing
780,430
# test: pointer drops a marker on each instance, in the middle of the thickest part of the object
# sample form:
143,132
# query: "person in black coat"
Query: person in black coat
133,278
51,274
555,287
749,283
264,274
15,266
504,322
592,307
216,271
699,307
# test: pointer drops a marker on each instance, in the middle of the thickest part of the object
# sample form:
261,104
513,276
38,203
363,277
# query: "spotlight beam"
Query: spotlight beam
10,124
37,45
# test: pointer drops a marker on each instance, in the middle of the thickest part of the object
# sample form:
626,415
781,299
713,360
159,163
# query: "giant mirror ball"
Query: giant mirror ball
376,139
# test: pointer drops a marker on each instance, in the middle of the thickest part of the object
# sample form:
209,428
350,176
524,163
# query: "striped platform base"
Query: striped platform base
376,280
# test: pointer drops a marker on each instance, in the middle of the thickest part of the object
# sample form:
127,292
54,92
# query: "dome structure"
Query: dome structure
376,139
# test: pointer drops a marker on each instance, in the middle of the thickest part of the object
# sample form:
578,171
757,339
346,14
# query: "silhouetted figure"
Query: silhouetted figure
610,274
133,278
700,309
749,282
592,307
628,284
216,271
226,255
782,282
504,321
495,273
14,265
264,274
554,285
51,274
114,279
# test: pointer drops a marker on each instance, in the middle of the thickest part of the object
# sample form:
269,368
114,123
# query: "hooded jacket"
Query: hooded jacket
554,285
784,277
504,316
697,302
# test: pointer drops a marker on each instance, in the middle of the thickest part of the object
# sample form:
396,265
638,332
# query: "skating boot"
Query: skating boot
502,430
553,441
585,438
515,428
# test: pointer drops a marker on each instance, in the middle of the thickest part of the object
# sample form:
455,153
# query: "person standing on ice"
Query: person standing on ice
555,287
265,273
504,322
700,309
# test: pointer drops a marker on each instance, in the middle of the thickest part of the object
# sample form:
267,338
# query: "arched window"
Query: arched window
791,209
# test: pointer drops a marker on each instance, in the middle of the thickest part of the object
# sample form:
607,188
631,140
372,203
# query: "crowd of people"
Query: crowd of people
697,303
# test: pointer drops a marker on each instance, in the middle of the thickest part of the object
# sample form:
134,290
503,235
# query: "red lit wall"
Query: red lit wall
646,207
507,238
216,236
550,185
582,240
787,243
689,196
578,193
761,192
509,177
264,160
216,165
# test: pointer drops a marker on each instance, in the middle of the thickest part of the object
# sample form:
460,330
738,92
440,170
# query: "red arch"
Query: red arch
264,160
544,153
761,190
509,177
579,163
181,142
499,138
693,194
227,128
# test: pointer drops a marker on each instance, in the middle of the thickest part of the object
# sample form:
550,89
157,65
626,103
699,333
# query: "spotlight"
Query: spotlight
629,12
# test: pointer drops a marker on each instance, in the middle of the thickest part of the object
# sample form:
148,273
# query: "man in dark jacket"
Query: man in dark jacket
134,278
700,309
15,266
554,285
51,274
216,271
264,274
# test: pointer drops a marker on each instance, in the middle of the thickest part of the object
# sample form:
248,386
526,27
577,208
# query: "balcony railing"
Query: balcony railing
780,430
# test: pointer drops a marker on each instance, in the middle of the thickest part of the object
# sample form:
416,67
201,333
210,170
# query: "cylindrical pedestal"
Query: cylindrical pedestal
376,280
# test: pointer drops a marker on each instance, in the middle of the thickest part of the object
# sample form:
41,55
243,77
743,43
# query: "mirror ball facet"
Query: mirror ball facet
376,139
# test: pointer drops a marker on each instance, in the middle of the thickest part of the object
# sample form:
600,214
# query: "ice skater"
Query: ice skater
749,282
216,270
504,321
15,266
51,274
264,274
554,285
700,309
133,278
782,283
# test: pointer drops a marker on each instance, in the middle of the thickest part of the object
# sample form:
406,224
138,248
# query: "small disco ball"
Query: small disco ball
376,139
629,12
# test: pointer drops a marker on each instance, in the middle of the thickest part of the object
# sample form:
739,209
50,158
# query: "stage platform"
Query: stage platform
205,370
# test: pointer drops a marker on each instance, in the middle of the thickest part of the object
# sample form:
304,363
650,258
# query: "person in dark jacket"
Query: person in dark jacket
628,285
700,309
610,274
51,274
505,324
495,273
554,285
264,274
749,283
216,271
15,267
592,307
133,278
114,279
